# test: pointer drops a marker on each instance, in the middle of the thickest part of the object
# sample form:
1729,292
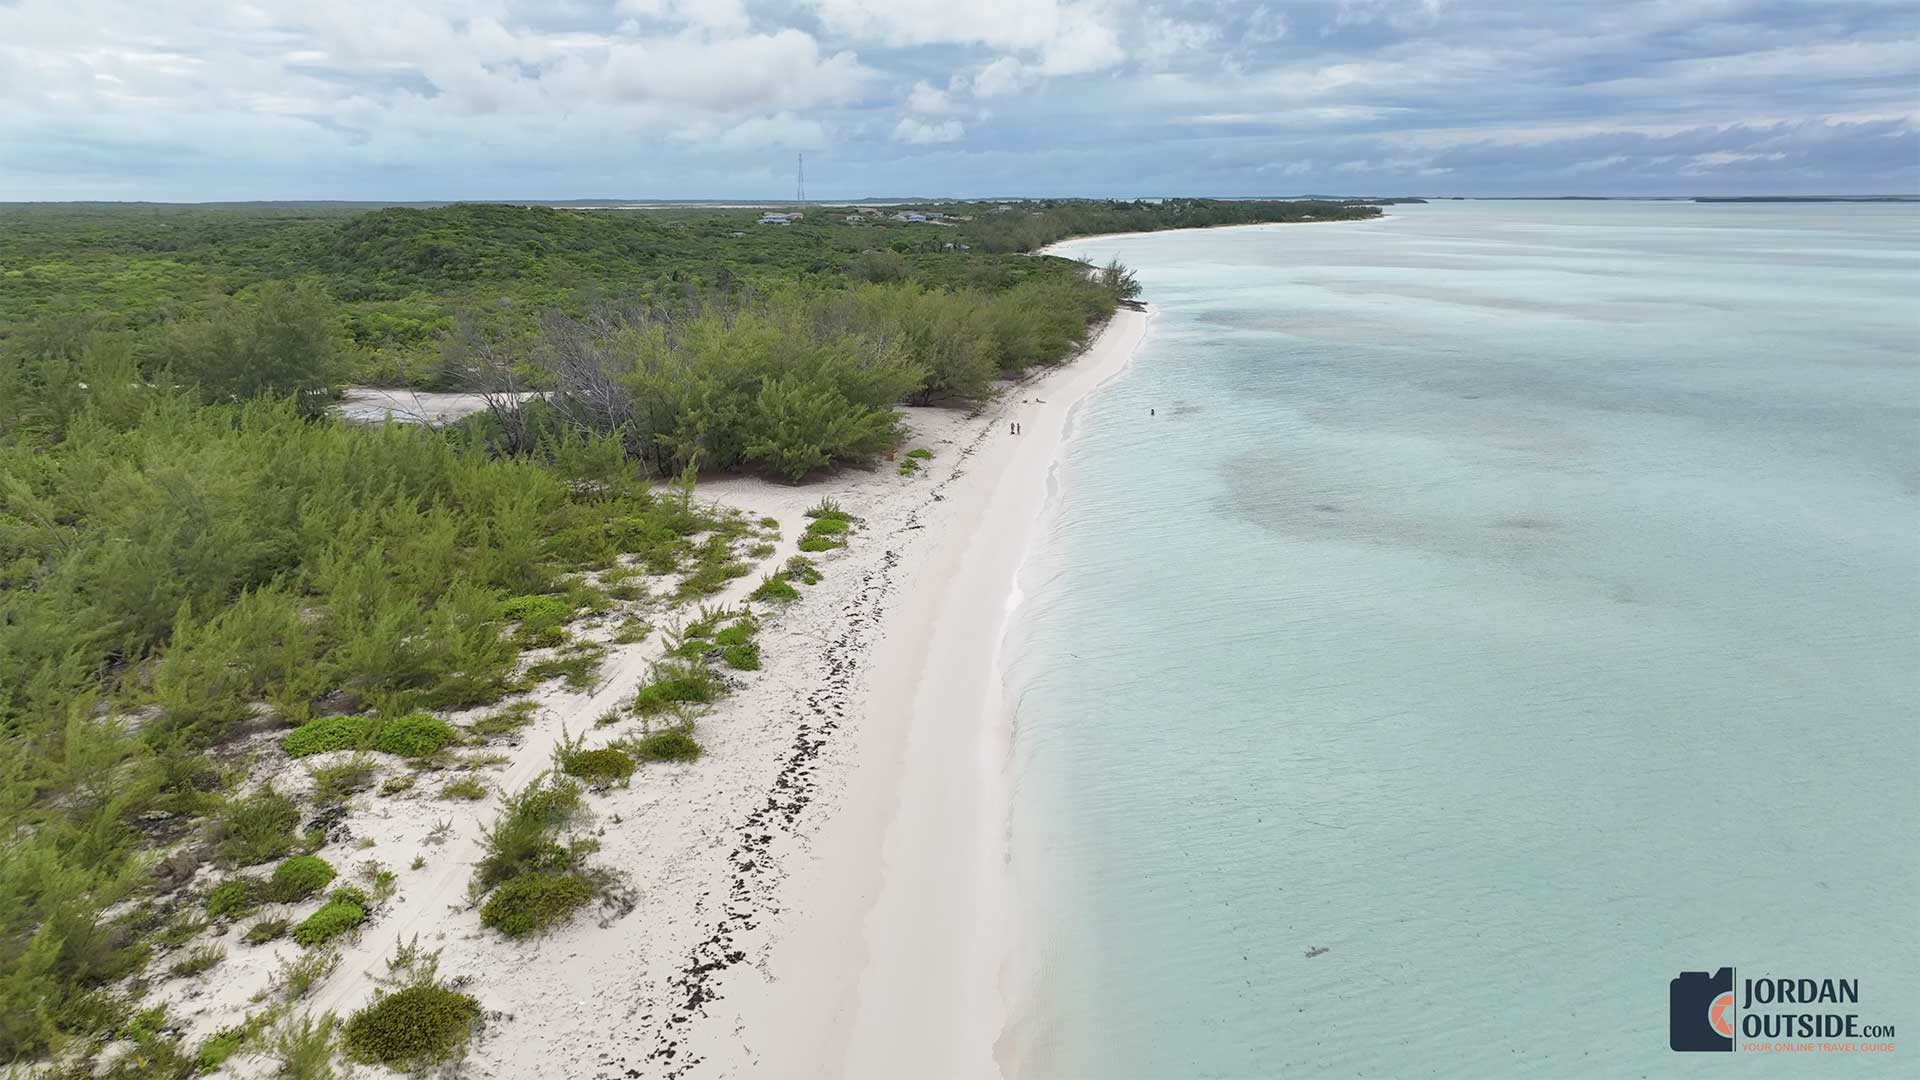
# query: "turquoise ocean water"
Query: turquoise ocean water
1520,602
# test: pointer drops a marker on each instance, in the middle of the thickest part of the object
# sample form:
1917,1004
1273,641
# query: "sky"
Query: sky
185,100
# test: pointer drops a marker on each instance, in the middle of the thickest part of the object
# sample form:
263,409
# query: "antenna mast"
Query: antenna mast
800,171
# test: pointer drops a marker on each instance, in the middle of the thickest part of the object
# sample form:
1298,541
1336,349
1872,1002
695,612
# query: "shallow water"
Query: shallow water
1518,601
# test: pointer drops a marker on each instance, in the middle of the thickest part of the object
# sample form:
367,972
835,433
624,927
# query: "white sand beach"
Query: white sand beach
822,894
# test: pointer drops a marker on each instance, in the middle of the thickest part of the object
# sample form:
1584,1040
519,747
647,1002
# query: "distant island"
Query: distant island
1805,198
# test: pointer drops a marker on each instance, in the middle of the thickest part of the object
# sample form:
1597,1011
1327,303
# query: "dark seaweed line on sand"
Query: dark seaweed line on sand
753,876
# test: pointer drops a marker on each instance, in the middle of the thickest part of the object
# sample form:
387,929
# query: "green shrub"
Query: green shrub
416,736
265,930
632,632
542,637
715,567
326,734
298,974
909,467
537,610
829,526
216,1048
305,1047
505,722
335,784
775,589
817,544
466,787
827,508
233,898
802,569
394,785
343,911
678,682
257,828
597,768
298,878
197,961
920,452
673,744
524,839
577,670
531,903
413,1028
742,657
740,632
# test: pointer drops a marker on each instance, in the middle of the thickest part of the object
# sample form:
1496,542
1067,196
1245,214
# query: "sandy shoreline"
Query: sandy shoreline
895,917
822,894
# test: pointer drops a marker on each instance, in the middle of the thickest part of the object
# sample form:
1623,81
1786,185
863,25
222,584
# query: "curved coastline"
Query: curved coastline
888,961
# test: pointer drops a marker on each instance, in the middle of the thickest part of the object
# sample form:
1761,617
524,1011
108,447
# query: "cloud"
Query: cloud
1062,37
923,132
479,98
1004,76
924,98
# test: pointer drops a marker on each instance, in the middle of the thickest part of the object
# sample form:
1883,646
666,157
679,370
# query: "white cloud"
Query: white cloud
925,132
928,99
1064,37
1004,76
724,15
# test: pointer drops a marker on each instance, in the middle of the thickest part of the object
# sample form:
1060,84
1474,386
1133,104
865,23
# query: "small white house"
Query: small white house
771,218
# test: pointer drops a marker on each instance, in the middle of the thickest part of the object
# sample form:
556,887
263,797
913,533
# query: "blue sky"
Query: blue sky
425,99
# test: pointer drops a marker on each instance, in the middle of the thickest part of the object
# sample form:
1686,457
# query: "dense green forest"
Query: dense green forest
193,550
404,276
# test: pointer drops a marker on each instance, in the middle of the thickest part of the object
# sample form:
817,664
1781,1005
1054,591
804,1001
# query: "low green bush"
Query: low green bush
416,736
802,569
673,744
742,657
537,610
298,974
920,452
525,837
775,588
505,722
466,787
266,930
298,878
542,637
829,526
678,682
233,898
817,544
531,903
909,467
578,670
343,911
827,508
335,784
413,736
304,1047
256,829
598,768
197,961
412,1029
326,734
